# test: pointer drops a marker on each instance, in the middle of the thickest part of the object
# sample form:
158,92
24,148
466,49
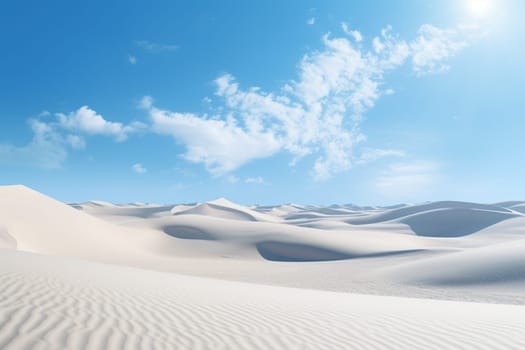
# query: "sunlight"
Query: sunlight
479,8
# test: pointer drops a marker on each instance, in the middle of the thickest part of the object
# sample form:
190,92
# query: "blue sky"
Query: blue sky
264,102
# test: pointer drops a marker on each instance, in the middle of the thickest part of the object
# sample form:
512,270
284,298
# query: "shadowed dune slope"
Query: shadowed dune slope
297,252
455,222
187,232
502,264
411,210
285,242
508,204
520,208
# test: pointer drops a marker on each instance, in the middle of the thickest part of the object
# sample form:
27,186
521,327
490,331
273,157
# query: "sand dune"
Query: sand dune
151,236
277,241
119,213
181,207
519,208
49,298
209,209
442,219
6,240
285,251
41,224
454,222
62,230
508,204
500,264
222,208
411,210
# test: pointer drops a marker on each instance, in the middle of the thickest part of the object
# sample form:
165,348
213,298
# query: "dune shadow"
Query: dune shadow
519,208
300,252
302,216
411,210
187,232
456,222
331,211
143,213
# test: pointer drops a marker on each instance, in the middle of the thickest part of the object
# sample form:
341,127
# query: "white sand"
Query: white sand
62,286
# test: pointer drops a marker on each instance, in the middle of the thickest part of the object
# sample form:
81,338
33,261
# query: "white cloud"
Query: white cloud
155,47
46,149
433,46
222,145
132,59
319,113
138,168
177,187
311,21
146,102
254,180
52,138
407,180
372,154
358,37
392,52
378,45
75,141
87,121
232,179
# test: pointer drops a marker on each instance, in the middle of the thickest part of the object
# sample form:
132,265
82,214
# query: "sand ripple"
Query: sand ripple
55,303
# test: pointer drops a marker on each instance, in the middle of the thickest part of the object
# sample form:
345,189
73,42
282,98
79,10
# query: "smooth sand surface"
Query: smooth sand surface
218,275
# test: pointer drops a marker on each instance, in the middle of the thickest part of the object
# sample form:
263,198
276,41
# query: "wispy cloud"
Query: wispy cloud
75,141
434,46
139,168
403,180
358,37
55,135
372,154
254,180
132,59
319,113
311,21
86,120
47,148
232,179
155,46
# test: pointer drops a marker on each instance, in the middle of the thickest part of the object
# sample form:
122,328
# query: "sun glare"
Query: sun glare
479,8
